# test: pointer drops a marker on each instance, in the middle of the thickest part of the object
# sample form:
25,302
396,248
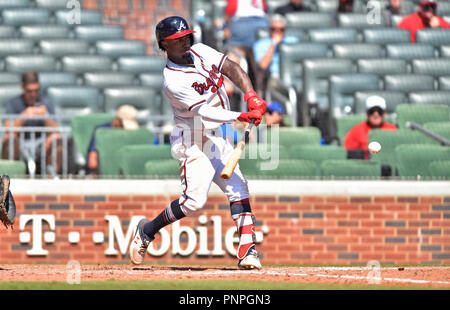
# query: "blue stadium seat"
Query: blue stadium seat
94,33
408,82
357,21
333,35
48,79
409,51
16,46
8,4
74,100
434,67
8,91
382,66
386,36
435,36
141,64
357,50
7,32
309,20
87,17
10,78
108,79
24,63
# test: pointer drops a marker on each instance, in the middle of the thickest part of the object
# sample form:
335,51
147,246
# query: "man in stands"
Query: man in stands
357,139
125,119
292,7
424,18
266,51
32,104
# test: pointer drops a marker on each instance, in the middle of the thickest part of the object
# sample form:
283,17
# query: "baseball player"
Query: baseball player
193,82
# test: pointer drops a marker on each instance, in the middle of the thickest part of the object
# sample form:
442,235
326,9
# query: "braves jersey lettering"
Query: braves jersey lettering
213,75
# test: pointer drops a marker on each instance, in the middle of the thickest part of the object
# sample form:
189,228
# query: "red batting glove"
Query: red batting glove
249,116
254,102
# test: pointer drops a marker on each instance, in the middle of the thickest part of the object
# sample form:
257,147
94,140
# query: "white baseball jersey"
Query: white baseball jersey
190,87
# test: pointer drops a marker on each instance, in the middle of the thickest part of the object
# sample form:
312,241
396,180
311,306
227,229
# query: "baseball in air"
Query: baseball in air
374,147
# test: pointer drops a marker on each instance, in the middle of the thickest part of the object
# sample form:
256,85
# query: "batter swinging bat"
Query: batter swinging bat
234,159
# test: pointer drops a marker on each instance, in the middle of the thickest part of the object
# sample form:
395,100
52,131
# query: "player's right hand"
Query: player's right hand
249,116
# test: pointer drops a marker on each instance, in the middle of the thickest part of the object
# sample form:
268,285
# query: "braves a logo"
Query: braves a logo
213,75
182,26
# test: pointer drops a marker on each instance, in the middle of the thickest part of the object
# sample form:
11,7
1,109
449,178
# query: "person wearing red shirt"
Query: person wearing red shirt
424,18
358,136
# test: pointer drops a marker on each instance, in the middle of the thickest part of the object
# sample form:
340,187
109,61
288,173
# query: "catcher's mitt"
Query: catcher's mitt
7,204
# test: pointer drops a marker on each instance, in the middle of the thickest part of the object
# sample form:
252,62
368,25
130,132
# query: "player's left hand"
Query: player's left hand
254,102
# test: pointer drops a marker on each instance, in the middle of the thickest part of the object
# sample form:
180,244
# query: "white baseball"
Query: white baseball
374,147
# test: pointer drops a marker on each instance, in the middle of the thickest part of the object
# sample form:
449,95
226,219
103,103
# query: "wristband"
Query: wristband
249,94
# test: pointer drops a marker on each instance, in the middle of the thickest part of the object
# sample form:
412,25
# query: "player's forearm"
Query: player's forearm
238,76
216,114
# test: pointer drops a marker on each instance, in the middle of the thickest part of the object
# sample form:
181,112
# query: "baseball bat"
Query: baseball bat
228,170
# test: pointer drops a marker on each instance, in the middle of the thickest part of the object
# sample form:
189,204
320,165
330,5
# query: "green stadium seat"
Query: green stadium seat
24,63
333,35
74,100
64,47
430,97
287,169
86,63
434,67
47,79
435,37
10,78
8,91
51,4
409,51
440,128
141,64
151,80
444,83
309,20
82,129
315,77
385,36
357,50
350,168
108,79
7,32
15,46
443,8
162,168
25,16
8,4
291,57
289,137
343,86
317,153
346,122
327,6
44,32
422,113
87,17
408,82
413,160
357,21
93,33
109,141
117,48
13,168
382,66
397,18
390,139
134,157
392,98
142,98
444,51
300,34
439,169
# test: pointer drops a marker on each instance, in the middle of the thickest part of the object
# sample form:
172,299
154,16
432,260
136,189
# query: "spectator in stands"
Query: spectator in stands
125,119
274,114
242,19
292,7
357,139
424,18
266,51
32,104
345,6
394,7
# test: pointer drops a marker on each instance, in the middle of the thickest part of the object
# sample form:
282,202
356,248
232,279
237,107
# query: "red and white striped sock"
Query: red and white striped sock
245,224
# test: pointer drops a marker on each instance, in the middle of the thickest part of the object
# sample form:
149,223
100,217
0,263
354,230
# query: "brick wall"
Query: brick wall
301,229
138,17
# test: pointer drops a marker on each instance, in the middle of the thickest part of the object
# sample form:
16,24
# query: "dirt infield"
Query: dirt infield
403,276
